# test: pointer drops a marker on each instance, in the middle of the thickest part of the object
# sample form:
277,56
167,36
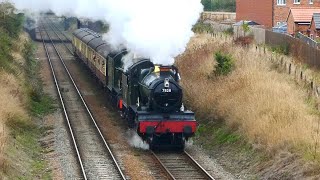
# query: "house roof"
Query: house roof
303,14
250,23
316,19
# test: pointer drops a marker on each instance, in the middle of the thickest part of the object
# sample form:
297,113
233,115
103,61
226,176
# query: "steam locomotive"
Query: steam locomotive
148,95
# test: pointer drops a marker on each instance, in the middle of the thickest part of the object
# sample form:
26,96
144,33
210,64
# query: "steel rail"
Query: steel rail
163,167
204,172
187,157
60,38
59,30
88,110
64,107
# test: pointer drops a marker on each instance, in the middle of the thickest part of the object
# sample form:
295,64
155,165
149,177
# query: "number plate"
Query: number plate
166,90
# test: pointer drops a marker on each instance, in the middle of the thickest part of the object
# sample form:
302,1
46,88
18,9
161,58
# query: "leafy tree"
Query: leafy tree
10,27
245,27
10,22
219,5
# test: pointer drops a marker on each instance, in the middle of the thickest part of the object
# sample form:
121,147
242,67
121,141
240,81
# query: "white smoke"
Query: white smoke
129,59
135,140
189,143
159,29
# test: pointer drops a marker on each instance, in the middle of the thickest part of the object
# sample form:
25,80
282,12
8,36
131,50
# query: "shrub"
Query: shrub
244,41
201,27
281,49
229,31
225,63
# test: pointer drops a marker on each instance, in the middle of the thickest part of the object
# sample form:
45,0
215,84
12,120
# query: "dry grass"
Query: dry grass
12,100
265,106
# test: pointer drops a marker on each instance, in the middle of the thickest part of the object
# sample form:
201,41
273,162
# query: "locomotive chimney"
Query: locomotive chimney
165,70
78,24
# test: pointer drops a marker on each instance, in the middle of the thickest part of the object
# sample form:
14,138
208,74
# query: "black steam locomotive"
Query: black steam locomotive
148,95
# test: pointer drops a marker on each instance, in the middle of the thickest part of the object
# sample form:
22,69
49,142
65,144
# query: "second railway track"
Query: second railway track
94,155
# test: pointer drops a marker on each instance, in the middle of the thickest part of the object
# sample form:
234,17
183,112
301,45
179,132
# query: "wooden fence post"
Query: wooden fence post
290,68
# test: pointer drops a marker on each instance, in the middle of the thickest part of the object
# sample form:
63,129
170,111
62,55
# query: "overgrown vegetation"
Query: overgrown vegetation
20,95
225,63
219,5
256,102
229,31
244,41
40,103
221,135
245,27
10,28
281,49
201,27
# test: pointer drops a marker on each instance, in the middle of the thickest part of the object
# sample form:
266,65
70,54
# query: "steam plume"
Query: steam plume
135,140
159,29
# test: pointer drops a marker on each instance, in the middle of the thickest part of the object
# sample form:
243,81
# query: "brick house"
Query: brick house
269,13
299,20
315,26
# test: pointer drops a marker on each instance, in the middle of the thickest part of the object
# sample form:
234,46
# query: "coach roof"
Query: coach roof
95,43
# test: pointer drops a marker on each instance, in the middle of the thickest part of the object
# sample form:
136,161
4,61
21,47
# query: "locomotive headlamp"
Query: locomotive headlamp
166,83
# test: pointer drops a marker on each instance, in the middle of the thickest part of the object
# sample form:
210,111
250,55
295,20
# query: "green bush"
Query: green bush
225,63
229,31
201,27
281,49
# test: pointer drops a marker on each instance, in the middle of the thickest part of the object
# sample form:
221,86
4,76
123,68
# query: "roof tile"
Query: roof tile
303,14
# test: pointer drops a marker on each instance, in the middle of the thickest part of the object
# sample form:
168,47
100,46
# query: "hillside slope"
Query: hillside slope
257,116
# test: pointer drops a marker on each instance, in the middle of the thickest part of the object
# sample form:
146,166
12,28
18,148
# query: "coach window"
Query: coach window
94,56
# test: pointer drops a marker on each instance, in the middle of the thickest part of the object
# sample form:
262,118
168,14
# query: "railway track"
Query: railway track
64,40
60,29
95,158
180,165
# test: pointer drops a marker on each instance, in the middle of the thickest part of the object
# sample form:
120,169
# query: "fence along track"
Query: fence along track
94,163
180,165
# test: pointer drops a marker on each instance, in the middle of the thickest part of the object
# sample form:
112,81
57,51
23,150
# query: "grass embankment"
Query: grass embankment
255,102
22,102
